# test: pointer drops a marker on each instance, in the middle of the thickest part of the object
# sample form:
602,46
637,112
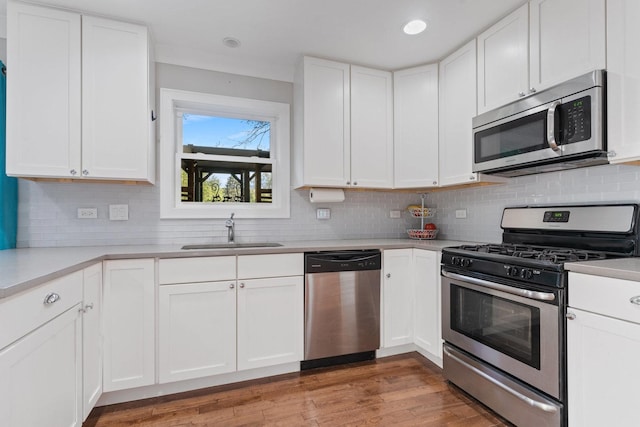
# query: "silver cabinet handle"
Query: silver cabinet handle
472,178
348,182
355,182
388,275
541,296
551,131
242,285
435,182
540,405
73,172
88,306
231,286
85,172
532,90
51,298
635,300
521,94
570,316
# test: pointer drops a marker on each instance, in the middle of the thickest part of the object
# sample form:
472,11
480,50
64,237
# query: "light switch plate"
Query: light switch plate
461,213
118,212
323,213
394,214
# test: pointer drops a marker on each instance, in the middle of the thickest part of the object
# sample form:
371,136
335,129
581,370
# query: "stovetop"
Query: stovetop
547,254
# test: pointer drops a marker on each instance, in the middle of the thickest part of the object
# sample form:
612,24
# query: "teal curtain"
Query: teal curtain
8,186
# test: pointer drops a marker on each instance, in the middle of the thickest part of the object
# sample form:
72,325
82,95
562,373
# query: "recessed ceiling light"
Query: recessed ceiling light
231,42
415,27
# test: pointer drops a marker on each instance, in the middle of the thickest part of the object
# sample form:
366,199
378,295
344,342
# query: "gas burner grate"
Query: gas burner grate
554,255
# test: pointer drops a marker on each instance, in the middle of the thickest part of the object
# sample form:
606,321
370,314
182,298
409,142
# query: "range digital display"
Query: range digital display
556,216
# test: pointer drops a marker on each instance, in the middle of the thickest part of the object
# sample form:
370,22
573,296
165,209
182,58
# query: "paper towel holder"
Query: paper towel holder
326,195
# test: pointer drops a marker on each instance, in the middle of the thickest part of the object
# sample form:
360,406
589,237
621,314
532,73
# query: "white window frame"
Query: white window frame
173,103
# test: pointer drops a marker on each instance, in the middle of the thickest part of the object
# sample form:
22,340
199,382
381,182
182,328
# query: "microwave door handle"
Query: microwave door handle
551,126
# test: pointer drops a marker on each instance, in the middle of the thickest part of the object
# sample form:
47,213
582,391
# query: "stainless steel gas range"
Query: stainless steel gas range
504,305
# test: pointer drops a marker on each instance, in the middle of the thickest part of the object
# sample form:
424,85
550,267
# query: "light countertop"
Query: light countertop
619,268
22,269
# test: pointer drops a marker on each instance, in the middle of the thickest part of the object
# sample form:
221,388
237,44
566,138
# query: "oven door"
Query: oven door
518,334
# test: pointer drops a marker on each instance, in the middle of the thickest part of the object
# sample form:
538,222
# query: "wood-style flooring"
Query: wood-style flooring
404,390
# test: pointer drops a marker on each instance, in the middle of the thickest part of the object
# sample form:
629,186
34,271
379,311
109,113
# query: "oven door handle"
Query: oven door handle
531,402
540,296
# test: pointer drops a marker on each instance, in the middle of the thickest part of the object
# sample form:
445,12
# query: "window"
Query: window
222,154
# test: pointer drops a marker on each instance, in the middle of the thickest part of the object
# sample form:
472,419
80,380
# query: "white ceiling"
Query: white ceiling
275,33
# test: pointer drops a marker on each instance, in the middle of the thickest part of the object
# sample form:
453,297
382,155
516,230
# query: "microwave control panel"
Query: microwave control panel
576,120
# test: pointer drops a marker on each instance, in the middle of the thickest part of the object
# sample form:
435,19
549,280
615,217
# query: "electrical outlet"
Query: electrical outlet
323,213
394,214
87,213
118,212
461,213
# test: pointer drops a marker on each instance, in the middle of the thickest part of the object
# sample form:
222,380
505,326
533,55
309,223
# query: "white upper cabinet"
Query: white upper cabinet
457,108
503,61
43,93
343,126
567,39
322,133
115,99
416,127
371,128
623,80
78,101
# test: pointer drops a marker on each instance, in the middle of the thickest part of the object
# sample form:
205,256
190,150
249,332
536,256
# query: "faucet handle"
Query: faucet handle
232,214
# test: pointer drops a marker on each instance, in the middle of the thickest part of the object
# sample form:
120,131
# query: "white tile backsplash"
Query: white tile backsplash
47,211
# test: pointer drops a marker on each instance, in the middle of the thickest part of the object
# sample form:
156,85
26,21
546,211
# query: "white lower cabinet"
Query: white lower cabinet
603,344
129,324
411,301
41,372
197,334
225,321
270,321
91,338
397,290
426,301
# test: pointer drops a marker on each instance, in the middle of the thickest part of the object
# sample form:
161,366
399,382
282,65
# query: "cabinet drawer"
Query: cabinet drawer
604,295
271,265
24,312
199,269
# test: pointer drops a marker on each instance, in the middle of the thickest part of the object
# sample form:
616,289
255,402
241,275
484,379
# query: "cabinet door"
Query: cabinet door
602,359
42,375
115,84
397,297
371,128
416,127
129,324
503,61
43,92
197,330
567,39
426,273
327,126
457,108
623,80
91,338
270,321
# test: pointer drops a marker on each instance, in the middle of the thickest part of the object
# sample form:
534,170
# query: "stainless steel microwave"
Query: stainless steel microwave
562,127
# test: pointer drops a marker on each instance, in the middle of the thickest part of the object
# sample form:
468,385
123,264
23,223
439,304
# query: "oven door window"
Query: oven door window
509,327
519,136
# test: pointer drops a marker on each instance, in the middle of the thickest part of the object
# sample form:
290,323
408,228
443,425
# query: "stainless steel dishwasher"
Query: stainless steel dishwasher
341,307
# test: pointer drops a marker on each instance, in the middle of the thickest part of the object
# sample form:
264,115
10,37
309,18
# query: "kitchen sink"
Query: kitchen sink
233,245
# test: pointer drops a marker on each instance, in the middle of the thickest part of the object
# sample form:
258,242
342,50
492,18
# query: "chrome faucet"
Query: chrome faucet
231,226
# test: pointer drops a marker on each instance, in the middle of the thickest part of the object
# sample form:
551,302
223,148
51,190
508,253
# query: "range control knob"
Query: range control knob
526,273
456,260
466,262
513,271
